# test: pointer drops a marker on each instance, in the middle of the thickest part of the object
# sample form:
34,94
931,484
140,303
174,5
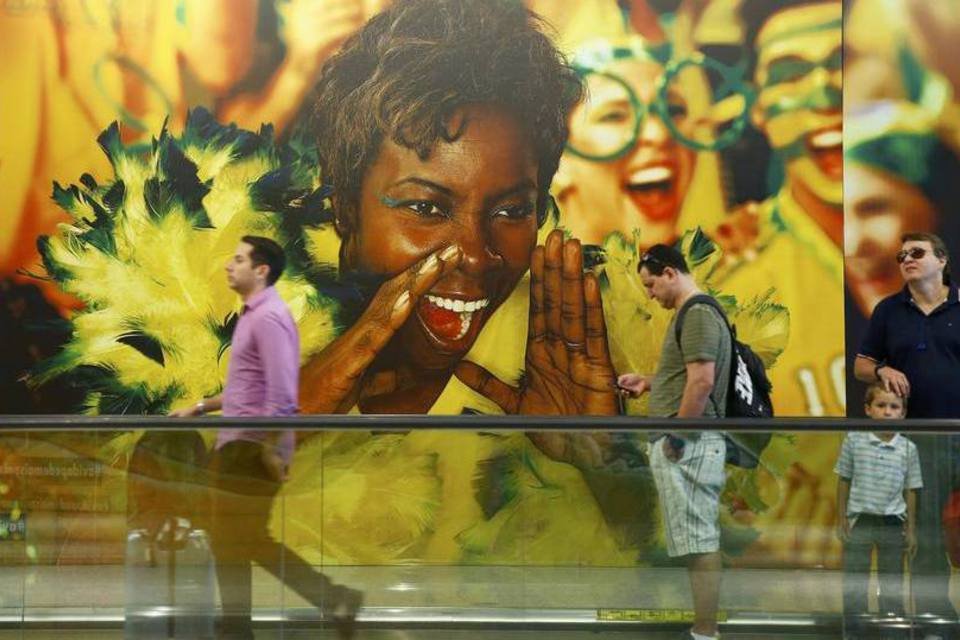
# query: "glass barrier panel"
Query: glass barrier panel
147,531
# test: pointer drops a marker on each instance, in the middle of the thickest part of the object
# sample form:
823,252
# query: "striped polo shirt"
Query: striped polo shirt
878,472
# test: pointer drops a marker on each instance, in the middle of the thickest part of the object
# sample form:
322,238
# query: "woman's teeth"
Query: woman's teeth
459,306
827,140
465,320
451,318
650,178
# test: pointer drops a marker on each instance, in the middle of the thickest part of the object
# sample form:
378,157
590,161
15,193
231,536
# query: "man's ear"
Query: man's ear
262,271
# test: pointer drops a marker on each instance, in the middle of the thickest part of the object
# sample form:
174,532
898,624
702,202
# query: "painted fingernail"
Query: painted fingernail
449,252
429,264
402,302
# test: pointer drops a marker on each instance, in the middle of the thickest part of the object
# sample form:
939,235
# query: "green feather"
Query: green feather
177,187
146,344
113,397
149,286
699,247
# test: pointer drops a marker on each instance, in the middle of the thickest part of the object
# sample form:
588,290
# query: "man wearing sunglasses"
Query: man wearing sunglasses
912,347
690,382
911,344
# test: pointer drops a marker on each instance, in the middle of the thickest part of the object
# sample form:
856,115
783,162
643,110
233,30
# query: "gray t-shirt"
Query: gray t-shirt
704,337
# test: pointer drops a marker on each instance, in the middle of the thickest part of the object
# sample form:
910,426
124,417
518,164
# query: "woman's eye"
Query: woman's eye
515,212
613,116
677,110
426,209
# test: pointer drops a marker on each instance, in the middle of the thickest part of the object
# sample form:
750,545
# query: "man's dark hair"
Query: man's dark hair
405,74
755,13
266,251
659,257
939,248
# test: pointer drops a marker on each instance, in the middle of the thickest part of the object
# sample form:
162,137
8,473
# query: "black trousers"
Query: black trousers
241,497
885,534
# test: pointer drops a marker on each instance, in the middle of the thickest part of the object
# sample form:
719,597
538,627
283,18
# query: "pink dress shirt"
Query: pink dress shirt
264,371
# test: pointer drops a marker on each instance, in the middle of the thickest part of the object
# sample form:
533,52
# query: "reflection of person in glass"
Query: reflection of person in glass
911,348
249,466
879,477
798,247
440,182
691,381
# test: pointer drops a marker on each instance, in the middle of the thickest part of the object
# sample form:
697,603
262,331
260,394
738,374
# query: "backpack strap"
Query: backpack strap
710,301
701,298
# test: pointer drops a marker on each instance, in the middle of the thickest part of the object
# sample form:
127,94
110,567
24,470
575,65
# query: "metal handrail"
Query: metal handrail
382,422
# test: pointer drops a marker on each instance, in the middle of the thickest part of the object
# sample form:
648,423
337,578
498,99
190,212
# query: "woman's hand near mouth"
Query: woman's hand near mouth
568,369
331,380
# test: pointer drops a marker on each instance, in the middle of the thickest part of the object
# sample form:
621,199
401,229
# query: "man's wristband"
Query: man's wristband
876,370
201,407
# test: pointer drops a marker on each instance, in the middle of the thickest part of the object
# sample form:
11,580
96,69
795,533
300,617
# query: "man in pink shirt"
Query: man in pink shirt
248,465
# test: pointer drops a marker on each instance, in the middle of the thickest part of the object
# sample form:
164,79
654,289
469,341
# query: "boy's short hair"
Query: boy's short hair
877,387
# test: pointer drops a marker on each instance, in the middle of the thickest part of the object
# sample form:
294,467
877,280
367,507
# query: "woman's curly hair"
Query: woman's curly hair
410,68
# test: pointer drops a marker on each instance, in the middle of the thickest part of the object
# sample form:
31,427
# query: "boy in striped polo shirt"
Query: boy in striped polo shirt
876,507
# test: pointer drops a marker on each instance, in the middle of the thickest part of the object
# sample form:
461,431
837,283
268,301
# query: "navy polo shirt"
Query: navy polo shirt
926,348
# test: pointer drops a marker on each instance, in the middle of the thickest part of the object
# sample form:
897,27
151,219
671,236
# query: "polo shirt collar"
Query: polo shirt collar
953,295
880,442
259,298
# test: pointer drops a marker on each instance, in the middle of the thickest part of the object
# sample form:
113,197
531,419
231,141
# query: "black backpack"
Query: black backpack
748,395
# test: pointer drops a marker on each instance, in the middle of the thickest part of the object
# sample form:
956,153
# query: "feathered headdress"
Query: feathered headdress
146,249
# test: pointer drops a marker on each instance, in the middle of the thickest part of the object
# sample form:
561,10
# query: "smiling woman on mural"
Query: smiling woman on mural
641,139
417,286
447,138
622,169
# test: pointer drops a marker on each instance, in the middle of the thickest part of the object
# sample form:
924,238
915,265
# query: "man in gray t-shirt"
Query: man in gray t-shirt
691,382
704,338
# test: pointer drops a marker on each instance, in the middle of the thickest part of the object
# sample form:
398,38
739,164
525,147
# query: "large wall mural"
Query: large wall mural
143,139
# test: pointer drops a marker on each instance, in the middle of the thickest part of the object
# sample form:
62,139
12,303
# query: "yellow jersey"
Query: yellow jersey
805,268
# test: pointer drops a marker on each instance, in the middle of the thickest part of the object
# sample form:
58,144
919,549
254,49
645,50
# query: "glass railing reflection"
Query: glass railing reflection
569,525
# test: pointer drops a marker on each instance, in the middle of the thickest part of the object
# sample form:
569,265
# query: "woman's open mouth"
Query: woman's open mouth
653,190
449,320
826,149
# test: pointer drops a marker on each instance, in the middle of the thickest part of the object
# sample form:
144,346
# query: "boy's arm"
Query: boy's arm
843,494
910,533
